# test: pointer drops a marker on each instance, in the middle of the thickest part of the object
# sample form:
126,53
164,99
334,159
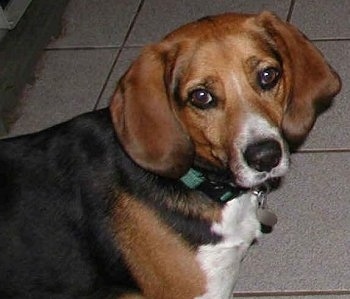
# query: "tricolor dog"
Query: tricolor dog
157,196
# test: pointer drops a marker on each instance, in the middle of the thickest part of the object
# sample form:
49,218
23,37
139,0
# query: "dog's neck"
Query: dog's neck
217,189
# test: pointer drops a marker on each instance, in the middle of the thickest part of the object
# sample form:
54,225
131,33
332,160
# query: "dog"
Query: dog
155,196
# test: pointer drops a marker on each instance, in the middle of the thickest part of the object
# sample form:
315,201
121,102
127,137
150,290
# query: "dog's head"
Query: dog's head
230,90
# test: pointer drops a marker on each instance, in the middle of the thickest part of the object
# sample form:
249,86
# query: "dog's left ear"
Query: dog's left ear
145,120
313,83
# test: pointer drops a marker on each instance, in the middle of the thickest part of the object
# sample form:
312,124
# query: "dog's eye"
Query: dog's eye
268,78
202,99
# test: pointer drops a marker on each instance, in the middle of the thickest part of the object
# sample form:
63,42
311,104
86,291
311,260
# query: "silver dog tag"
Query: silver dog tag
266,217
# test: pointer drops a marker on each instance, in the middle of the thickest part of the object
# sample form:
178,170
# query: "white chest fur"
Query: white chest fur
220,262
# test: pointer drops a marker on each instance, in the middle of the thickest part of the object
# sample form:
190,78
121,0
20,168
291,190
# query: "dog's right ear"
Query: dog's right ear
145,120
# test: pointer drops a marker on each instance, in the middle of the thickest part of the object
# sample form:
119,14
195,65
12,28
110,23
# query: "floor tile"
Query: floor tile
158,17
127,56
332,129
250,6
321,19
317,296
95,24
67,84
309,247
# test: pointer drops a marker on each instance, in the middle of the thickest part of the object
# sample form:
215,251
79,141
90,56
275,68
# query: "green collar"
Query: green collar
221,192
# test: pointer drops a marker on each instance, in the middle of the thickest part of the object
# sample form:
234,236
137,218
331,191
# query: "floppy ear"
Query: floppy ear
313,83
145,120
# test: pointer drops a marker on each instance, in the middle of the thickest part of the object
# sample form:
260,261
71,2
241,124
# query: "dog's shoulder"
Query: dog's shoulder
56,191
80,142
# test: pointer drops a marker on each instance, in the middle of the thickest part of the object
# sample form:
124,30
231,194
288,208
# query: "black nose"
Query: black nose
263,155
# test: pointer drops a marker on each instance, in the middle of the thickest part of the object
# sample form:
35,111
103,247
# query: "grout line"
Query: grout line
329,39
291,293
323,150
107,78
72,48
131,26
134,46
290,11
114,47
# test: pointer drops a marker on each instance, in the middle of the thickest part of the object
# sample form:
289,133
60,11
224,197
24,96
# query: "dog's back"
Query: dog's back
55,191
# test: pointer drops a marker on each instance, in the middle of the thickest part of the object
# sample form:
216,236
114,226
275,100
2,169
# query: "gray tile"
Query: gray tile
320,19
316,296
309,247
158,17
124,61
67,84
96,23
332,129
250,6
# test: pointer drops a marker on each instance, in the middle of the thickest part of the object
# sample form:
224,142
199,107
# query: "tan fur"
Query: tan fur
161,262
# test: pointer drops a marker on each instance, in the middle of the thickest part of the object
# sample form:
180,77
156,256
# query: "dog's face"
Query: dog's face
228,91
230,95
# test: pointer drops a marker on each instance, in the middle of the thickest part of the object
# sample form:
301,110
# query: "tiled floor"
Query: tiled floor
308,253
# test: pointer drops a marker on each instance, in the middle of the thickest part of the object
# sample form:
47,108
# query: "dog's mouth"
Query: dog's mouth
248,166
